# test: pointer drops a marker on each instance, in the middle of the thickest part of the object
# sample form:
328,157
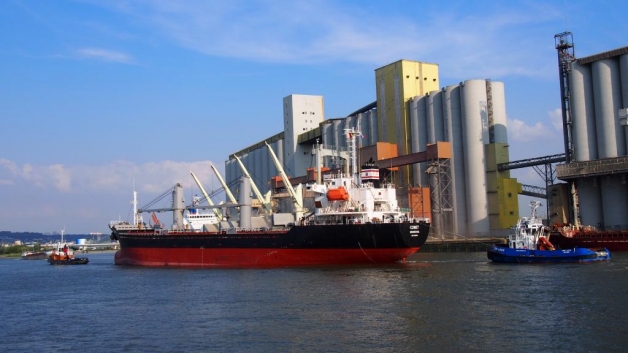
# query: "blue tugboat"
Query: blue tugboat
530,244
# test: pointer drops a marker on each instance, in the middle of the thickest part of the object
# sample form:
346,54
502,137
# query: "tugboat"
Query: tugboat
62,256
530,244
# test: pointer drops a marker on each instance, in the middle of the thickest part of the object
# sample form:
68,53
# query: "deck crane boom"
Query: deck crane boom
297,199
209,200
264,201
224,185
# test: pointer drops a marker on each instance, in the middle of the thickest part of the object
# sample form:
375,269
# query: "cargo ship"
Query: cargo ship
34,255
569,236
350,218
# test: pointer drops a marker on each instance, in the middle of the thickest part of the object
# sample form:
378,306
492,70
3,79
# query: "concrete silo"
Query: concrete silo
598,90
472,117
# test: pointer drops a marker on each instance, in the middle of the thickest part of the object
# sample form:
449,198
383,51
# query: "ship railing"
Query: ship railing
236,230
115,223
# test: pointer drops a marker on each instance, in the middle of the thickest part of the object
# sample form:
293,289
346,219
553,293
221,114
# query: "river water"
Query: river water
436,302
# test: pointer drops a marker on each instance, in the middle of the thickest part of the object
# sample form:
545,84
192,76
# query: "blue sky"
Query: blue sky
95,95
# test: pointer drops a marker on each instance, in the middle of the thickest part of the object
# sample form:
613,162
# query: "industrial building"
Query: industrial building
594,92
446,148
440,146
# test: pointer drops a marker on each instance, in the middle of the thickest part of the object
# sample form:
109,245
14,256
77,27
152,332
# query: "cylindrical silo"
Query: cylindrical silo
258,156
435,117
623,70
430,124
414,137
453,134
271,166
232,169
422,138
607,95
328,140
263,179
610,137
474,119
349,123
230,172
327,134
364,127
498,131
373,122
439,130
337,134
582,113
279,152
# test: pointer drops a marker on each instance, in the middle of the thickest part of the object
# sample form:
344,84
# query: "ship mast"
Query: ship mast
352,135
137,217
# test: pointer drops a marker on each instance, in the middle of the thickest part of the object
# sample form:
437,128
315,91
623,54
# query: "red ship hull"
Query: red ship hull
190,257
613,241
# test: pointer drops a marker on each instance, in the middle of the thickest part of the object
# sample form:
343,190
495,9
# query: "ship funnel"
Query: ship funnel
370,173
245,202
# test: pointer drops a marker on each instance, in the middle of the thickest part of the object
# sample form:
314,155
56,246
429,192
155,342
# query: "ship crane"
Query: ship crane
209,200
224,185
265,201
297,199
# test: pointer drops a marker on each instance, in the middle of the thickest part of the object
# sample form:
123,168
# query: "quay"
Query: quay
461,245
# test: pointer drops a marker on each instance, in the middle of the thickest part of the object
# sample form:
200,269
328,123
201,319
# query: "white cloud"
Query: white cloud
556,118
119,176
60,177
466,42
104,55
519,131
8,165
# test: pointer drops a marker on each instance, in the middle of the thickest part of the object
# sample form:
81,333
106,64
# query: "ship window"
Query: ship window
509,194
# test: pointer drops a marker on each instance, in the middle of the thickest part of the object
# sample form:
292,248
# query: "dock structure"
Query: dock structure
461,245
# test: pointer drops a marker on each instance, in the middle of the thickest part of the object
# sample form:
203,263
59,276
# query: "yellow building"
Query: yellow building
396,84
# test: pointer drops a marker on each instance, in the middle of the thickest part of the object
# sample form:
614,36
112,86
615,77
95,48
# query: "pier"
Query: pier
461,245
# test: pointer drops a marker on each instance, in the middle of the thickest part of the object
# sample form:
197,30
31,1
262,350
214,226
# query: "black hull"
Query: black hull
365,236
298,246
